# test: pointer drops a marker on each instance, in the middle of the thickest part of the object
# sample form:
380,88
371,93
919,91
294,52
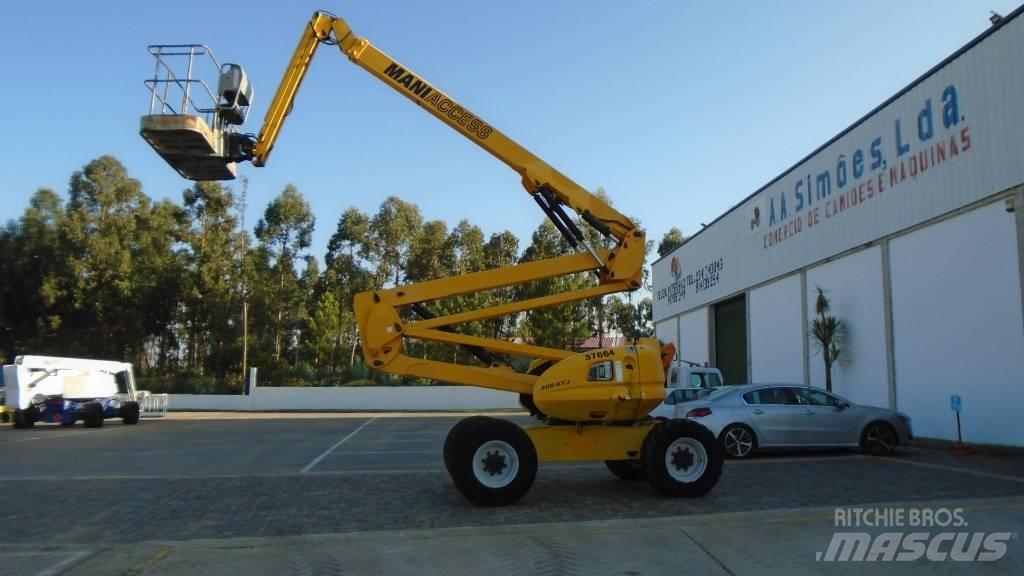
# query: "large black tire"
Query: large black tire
92,415
25,418
682,458
738,441
492,462
130,413
629,470
879,439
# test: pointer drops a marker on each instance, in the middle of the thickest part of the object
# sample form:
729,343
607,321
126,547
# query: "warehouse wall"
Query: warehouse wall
668,331
958,328
693,336
776,332
854,286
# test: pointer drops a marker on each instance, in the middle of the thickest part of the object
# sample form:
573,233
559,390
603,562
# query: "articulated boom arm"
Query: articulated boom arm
381,327
536,174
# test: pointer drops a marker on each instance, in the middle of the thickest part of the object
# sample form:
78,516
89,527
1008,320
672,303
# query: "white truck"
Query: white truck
686,381
65,390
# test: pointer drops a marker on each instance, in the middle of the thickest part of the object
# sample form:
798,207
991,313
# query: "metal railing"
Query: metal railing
170,93
150,405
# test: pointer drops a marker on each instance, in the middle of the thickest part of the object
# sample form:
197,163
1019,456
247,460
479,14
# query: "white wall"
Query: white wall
668,331
357,398
693,336
776,332
957,326
854,286
220,402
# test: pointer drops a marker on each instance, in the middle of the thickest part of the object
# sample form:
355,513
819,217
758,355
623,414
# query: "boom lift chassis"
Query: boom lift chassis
594,405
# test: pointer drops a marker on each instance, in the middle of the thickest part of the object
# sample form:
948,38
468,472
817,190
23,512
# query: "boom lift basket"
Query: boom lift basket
189,125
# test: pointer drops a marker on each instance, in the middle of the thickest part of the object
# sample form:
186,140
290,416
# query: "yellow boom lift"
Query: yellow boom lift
593,406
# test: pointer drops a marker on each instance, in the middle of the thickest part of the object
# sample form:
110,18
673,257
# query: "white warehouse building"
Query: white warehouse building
912,222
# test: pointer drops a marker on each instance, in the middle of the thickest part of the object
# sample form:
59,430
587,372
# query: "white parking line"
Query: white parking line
317,460
53,569
955,469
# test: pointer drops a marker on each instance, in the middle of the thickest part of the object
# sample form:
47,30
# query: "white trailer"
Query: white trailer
65,390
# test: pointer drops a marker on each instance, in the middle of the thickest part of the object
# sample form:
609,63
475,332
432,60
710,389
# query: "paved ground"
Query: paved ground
191,490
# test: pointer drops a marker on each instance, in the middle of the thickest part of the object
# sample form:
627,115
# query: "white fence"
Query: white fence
355,399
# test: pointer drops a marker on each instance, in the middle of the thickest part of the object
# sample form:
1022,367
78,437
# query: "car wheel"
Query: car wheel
629,470
738,441
879,439
130,413
492,462
92,415
682,458
25,418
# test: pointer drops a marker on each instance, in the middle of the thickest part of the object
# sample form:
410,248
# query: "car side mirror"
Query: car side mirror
842,406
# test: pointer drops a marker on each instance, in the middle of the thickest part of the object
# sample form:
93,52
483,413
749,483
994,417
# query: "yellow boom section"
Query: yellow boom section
536,174
381,327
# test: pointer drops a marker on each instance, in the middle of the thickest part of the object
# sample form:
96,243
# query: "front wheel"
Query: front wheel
492,462
130,413
879,439
682,458
92,415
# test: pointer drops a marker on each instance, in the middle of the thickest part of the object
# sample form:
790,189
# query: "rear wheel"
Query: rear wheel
682,458
629,470
738,441
25,418
492,462
130,413
92,415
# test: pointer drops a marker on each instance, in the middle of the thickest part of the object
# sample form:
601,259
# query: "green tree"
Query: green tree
98,293
326,331
501,251
561,326
828,334
670,241
632,321
428,255
159,273
347,274
391,234
214,284
284,232
351,237
29,257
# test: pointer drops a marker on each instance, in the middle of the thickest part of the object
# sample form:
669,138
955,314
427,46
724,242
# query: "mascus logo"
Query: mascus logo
438,101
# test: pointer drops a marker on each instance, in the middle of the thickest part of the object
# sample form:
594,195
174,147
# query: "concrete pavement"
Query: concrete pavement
767,542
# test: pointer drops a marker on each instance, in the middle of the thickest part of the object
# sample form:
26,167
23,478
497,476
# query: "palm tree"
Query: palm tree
828,334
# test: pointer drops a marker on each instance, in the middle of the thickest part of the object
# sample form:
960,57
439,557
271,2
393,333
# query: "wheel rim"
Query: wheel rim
495,464
686,459
881,440
738,442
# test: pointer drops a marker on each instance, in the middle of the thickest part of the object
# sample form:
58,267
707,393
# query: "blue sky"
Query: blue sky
678,109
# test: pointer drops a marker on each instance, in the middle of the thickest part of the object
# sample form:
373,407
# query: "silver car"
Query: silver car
749,417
